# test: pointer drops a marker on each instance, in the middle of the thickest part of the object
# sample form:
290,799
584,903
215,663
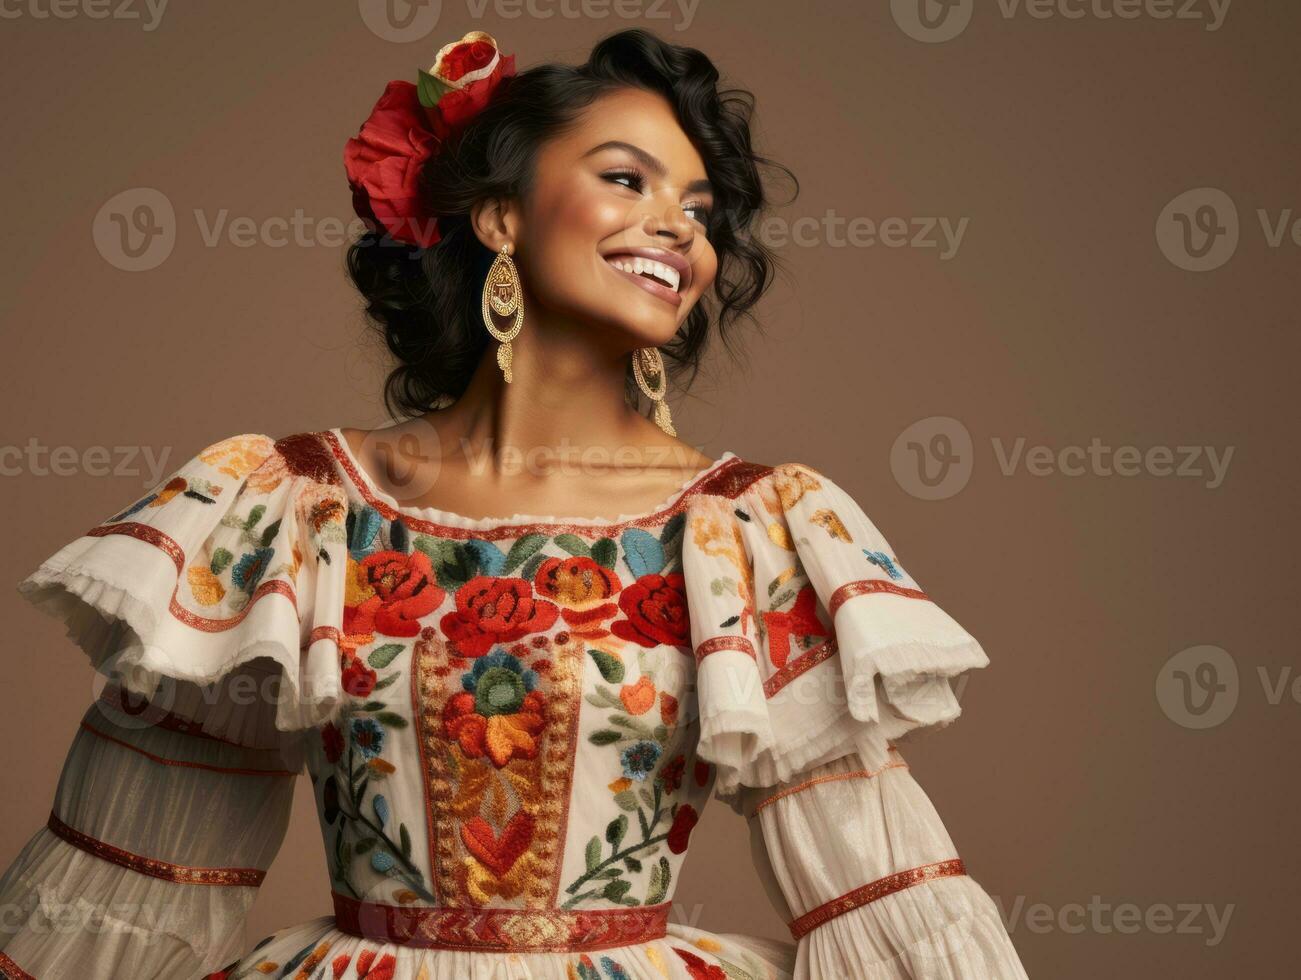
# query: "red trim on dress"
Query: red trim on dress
551,930
716,643
872,891
867,587
164,761
181,874
12,971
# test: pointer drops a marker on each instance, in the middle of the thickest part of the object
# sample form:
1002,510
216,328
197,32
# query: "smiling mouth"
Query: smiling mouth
658,273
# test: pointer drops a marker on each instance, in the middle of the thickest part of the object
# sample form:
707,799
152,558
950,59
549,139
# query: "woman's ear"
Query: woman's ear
495,222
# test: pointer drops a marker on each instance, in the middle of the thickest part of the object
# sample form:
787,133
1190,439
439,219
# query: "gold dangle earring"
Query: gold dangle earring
647,360
502,293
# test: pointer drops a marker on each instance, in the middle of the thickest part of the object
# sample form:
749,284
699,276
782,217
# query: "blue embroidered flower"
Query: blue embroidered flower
248,571
884,562
368,736
499,683
382,861
639,759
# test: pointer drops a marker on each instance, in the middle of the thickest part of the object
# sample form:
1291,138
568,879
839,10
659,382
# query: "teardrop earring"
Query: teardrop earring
502,294
648,360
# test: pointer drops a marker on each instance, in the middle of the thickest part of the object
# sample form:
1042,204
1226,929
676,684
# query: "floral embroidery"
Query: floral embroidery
499,714
800,622
611,969
656,607
238,456
884,562
495,610
392,592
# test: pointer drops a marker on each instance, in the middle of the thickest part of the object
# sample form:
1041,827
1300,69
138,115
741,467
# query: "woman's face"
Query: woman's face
620,198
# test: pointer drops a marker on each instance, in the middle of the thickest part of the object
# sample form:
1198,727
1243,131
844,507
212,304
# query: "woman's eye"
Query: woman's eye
634,179
698,212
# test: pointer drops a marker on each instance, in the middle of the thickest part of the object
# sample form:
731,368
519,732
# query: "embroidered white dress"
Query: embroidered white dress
511,725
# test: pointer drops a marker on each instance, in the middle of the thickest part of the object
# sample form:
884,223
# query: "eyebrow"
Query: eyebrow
651,163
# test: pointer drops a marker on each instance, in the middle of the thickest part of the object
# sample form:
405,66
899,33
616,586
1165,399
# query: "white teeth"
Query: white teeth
638,265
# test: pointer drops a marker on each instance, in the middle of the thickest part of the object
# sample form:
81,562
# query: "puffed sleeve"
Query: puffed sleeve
816,651
211,604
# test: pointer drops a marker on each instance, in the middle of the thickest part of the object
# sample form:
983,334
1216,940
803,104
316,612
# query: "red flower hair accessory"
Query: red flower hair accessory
408,126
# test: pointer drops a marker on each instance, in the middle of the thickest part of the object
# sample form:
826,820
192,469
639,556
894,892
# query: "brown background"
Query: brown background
1058,320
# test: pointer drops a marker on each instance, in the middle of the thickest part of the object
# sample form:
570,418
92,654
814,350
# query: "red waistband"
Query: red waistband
500,929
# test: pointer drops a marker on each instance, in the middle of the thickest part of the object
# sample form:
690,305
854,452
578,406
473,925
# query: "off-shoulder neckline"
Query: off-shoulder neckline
436,517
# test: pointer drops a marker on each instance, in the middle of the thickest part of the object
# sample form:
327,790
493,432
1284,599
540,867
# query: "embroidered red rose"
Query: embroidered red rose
400,590
684,821
358,679
656,610
495,610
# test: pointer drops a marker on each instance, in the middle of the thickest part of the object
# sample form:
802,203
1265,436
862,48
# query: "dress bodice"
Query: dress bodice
518,730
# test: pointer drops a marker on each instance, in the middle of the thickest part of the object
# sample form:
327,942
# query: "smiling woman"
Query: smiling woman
512,713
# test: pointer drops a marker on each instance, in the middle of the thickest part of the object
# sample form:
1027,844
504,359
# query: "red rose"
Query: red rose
656,607
358,679
403,591
466,73
684,821
383,163
495,610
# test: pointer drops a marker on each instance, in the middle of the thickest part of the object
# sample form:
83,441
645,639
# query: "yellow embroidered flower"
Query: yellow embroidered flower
656,959
829,519
792,481
205,586
708,945
238,456
780,535
270,474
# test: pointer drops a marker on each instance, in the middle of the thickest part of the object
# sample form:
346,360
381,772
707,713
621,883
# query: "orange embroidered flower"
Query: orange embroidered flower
206,587
582,587
499,713
238,456
792,481
495,610
656,610
638,698
401,590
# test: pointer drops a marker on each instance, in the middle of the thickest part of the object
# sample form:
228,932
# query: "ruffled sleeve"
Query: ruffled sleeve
812,639
237,558
815,651
212,603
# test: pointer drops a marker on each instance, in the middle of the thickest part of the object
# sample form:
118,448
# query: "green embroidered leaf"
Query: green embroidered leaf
593,853
626,800
365,844
371,706
254,516
646,797
530,568
645,826
610,666
661,733
382,656
615,830
633,864
405,840
606,873
523,549
221,559
673,528
730,621
741,514
573,544
269,533
660,876
385,681
391,719
615,890
605,551
603,736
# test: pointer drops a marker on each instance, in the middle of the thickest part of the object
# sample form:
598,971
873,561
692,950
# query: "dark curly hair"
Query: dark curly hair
425,302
